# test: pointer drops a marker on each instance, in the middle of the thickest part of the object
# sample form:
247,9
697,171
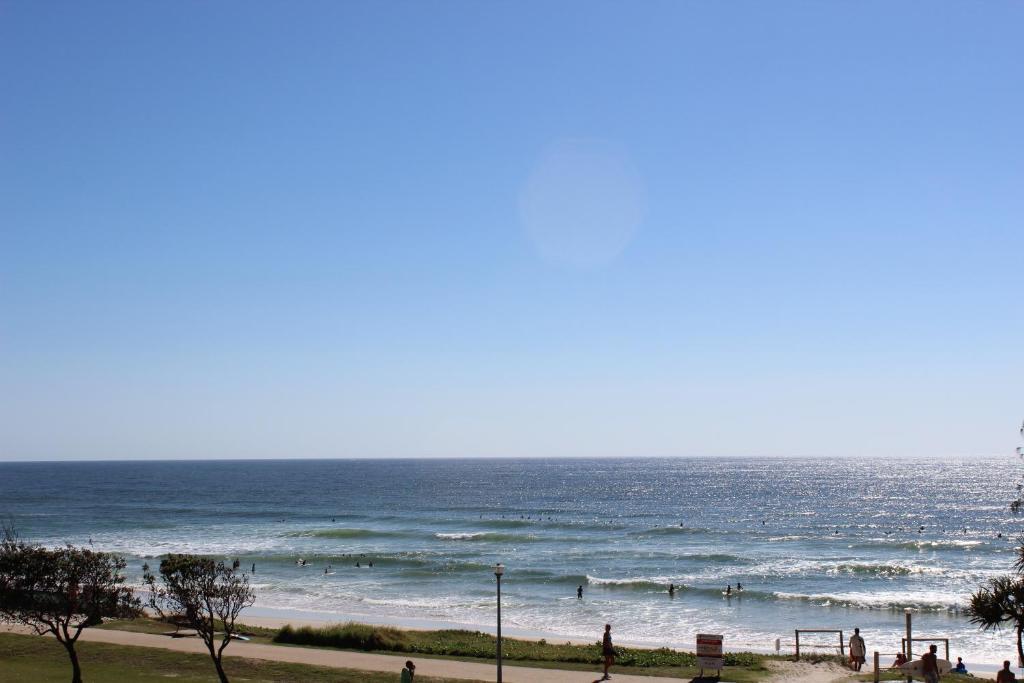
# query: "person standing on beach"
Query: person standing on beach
930,665
409,672
1005,675
857,650
608,651
579,592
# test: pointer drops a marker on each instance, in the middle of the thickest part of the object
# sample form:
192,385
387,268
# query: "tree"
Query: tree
1001,602
61,592
204,594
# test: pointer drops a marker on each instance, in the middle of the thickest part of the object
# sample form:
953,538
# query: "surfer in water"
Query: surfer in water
728,590
671,590
739,587
579,592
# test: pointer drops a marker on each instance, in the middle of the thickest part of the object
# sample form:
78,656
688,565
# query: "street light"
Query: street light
499,569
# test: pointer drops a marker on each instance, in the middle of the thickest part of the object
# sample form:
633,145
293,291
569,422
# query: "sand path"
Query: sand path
363,660
784,672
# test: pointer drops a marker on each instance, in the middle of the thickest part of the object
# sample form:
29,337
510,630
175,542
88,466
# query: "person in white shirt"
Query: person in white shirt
857,650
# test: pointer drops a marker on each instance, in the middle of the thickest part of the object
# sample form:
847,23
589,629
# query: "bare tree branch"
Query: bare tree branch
203,594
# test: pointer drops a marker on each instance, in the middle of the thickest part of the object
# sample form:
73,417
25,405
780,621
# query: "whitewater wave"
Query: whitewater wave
644,583
896,600
345,533
484,536
951,544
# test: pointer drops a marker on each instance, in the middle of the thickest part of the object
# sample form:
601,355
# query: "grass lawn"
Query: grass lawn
256,634
42,660
472,646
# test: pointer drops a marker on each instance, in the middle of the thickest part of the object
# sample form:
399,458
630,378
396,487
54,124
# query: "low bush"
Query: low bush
461,643
349,636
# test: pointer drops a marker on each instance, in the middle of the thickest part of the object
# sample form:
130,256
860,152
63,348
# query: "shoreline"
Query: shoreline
272,617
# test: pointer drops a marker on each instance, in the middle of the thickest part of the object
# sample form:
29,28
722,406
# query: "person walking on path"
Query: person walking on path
857,650
930,665
608,651
409,672
1005,675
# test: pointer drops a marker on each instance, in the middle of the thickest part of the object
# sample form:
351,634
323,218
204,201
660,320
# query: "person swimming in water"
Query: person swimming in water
739,586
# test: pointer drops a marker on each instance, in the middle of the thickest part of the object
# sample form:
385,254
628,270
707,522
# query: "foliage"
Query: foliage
460,643
61,592
1000,602
28,659
204,595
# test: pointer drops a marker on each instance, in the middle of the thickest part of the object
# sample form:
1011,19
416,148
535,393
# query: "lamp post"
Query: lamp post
910,642
499,569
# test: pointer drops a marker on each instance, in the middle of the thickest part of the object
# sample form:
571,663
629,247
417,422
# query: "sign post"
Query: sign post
709,653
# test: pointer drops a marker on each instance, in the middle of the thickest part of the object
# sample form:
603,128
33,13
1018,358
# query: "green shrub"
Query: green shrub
349,636
461,643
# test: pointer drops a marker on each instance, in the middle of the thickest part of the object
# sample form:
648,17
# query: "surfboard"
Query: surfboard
916,668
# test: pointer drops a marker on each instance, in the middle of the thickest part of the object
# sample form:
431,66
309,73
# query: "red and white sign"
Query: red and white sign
709,651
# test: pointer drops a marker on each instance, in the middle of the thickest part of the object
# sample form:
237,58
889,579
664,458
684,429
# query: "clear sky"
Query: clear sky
370,229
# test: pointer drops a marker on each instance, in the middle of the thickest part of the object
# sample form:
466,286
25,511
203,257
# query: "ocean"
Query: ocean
816,543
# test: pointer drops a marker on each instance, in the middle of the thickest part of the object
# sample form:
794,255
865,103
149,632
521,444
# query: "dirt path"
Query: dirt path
783,672
364,661
809,673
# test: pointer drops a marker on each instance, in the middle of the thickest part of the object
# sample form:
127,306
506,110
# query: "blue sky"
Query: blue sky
378,229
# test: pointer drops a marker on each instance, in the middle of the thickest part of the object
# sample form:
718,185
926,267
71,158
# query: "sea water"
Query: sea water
816,543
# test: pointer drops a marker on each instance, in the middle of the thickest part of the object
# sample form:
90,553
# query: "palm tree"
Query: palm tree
1001,602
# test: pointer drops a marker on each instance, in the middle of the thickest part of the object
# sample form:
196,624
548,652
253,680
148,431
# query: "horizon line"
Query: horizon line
505,457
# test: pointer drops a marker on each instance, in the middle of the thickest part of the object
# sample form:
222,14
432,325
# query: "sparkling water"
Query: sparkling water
815,543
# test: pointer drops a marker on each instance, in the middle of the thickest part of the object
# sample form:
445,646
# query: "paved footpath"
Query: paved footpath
366,661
